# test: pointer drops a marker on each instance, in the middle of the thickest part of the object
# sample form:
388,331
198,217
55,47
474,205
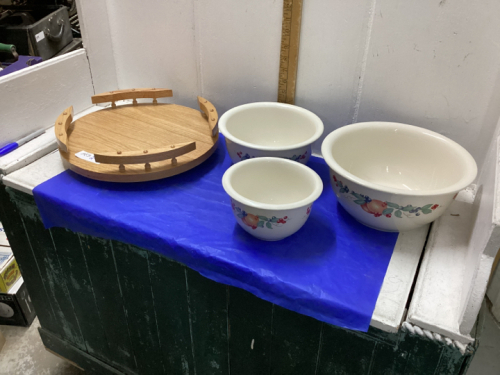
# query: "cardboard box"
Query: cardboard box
9,272
16,308
4,242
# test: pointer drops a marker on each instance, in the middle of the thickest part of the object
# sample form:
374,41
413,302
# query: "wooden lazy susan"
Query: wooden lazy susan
138,141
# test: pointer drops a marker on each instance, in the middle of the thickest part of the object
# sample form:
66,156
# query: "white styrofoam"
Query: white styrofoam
32,98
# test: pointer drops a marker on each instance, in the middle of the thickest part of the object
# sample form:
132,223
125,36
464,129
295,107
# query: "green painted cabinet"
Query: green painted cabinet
114,308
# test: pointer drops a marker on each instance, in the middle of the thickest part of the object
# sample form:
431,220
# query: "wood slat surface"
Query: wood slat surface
209,321
20,243
131,129
295,346
109,300
73,266
251,334
155,316
91,365
133,273
54,281
168,284
116,95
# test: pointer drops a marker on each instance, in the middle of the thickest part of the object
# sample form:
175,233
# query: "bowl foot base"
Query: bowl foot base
382,230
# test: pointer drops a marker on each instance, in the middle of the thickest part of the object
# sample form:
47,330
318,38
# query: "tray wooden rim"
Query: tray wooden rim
143,165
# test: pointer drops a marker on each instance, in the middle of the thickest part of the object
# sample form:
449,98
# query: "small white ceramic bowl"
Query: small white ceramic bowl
395,177
270,129
271,198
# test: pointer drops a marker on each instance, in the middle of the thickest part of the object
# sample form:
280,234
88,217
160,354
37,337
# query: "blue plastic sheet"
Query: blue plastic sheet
332,269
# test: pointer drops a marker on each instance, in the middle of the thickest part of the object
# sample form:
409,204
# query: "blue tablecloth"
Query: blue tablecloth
332,269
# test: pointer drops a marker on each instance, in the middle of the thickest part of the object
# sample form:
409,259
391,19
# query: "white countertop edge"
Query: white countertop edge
391,304
34,149
436,301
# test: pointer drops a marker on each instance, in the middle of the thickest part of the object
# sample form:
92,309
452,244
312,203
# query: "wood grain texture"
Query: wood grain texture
211,114
182,323
113,96
61,128
295,343
83,360
336,356
289,57
131,129
74,268
109,300
209,321
250,319
21,247
54,281
145,156
168,284
133,273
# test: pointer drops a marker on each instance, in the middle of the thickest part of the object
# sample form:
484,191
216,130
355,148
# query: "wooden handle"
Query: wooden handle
145,156
113,96
211,113
61,128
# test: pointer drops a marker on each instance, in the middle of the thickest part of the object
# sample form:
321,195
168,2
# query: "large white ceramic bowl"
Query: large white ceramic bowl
395,177
271,198
270,129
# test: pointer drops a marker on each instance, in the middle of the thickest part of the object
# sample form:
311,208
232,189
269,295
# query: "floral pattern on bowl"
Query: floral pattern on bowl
379,208
294,157
258,221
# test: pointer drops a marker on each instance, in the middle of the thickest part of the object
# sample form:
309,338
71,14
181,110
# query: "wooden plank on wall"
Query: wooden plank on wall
208,313
74,268
90,364
295,343
100,263
12,223
250,319
133,273
289,57
47,261
168,283
337,349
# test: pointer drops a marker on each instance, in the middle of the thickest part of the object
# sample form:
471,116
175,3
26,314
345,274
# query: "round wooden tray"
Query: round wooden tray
137,142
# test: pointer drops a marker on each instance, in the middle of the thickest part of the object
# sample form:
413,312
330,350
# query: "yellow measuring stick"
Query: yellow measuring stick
289,56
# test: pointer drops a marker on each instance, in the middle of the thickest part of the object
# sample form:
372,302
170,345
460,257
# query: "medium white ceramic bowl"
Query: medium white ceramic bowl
395,177
271,198
270,129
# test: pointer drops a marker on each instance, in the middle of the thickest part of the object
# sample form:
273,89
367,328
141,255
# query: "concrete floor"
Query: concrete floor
487,358
24,353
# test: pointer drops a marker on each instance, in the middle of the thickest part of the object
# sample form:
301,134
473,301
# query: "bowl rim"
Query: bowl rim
226,184
468,177
313,117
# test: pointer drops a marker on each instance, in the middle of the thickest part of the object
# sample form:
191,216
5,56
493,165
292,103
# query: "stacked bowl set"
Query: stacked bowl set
388,176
